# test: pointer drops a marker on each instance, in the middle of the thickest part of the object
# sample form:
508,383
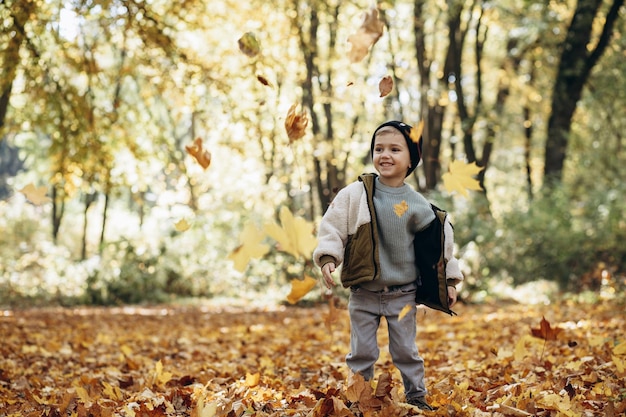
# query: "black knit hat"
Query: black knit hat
415,149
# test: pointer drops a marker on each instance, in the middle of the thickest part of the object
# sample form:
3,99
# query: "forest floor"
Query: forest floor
564,359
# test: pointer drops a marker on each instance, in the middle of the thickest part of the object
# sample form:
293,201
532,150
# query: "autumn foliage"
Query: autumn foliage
288,361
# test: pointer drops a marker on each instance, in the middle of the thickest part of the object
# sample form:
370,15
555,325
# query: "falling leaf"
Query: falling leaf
249,44
416,132
400,208
385,85
405,310
264,81
545,331
460,177
296,123
182,225
300,288
294,235
250,247
202,156
366,36
36,195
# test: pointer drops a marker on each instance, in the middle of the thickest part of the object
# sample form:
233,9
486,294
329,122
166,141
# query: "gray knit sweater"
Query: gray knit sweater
401,212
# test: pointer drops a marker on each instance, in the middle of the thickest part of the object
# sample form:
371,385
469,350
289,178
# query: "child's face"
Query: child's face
391,156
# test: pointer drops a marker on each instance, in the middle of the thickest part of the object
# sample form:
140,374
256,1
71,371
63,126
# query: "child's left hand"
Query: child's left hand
451,295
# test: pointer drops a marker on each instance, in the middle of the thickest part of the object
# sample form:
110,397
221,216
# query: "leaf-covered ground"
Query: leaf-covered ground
288,361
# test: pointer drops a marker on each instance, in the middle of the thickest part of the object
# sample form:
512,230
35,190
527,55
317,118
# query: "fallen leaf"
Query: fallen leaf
366,36
249,44
545,331
300,288
250,247
36,195
252,380
385,85
202,156
459,178
296,123
160,377
620,349
400,208
357,388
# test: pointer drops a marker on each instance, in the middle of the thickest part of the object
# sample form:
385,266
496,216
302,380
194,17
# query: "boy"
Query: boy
370,228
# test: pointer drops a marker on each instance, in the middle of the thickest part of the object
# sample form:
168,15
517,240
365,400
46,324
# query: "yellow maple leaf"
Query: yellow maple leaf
36,195
405,310
250,246
400,208
112,392
294,236
460,177
416,132
160,377
252,380
300,288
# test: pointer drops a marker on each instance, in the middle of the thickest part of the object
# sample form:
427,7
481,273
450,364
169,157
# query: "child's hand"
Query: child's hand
328,269
451,296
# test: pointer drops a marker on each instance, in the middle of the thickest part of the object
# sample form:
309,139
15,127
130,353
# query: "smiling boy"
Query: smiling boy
369,229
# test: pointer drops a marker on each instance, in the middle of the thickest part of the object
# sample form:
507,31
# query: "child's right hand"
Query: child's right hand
327,270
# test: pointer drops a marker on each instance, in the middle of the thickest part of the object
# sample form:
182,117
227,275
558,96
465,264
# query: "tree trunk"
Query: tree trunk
58,209
90,198
105,214
574,69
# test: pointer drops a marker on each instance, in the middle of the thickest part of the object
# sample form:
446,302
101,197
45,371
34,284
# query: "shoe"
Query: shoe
420,402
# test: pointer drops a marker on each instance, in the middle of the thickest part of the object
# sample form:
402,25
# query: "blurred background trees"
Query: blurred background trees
100,98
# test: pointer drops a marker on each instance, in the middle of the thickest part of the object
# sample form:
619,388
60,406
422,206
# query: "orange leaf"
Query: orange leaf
545,331
295,123
385,85
300,288
202,156
358,388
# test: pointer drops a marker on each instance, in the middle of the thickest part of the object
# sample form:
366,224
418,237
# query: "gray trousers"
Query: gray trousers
366,308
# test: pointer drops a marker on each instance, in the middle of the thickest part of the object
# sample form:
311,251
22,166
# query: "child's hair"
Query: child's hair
415,149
